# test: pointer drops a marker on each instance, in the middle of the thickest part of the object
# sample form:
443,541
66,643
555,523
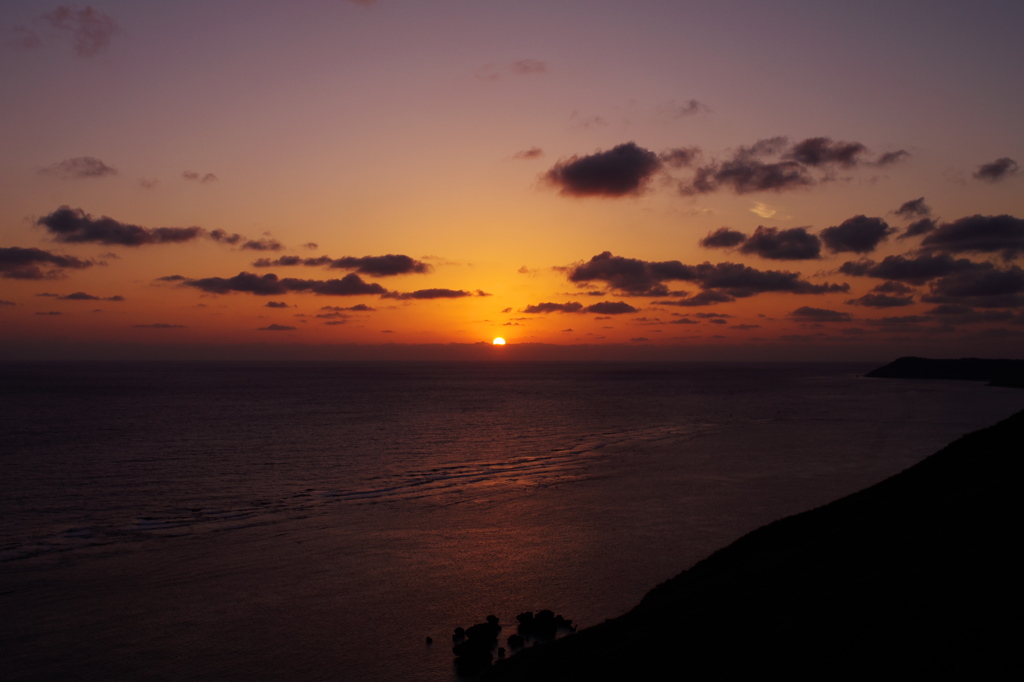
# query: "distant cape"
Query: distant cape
914,577
998,372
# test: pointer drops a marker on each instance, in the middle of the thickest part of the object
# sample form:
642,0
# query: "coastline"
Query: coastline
907,576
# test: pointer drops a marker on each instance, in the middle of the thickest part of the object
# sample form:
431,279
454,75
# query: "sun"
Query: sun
498,341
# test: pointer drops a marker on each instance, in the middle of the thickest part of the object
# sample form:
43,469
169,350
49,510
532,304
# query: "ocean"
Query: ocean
317,521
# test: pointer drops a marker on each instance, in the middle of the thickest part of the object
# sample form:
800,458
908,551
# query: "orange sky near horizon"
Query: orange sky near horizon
776,180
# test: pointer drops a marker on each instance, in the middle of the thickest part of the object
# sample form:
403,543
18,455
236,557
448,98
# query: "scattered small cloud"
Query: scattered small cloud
276,328
795,243
529,154
915,208
201,178
673,110
158,325
723,238
424,294
1000,169
270,285
978,234
554,308
80,167
276,304
73,225
89,29
611,308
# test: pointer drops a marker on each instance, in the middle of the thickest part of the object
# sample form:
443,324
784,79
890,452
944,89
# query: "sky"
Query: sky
642,179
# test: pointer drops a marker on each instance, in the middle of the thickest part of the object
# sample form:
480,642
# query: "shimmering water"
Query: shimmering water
315,522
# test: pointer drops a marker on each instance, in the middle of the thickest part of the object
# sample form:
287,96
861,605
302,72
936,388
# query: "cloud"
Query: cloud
916,270
423,294
200,178
276,328
999,169
859,234
79,167
822,151
642,278
690,107
158,325
704,298
808,314
378,266
629,275
795,243
359,307
74,225
262,245
611,308
528,67
723,238
915,208
89,28
82,296
621,171
2,302
276,304
680,157
271,285
890,158
773,164
382,266
979,234
984,286
554,308
881,301
918,228
531,153
21,263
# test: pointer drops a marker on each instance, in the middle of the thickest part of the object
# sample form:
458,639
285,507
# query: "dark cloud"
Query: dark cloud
312,246
554,308
50,313
893,288
916,270
918,228
620,171
276,304
984,286
773,164
723,238
271,285
89,28
80,167
915,208
680,157
382,266
808,314
531,153
528,67
378,266
822,151
82,296
795,243
611,308
430,293
201,178
276,328
359,307
741,281
997,170
74,225
979,234
890,158
21,263
642,278
859,234
965,314
881,301
2,302
262,245
630,275
171,278
158,325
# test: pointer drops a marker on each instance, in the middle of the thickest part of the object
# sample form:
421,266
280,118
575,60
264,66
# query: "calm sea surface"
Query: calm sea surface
318,521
